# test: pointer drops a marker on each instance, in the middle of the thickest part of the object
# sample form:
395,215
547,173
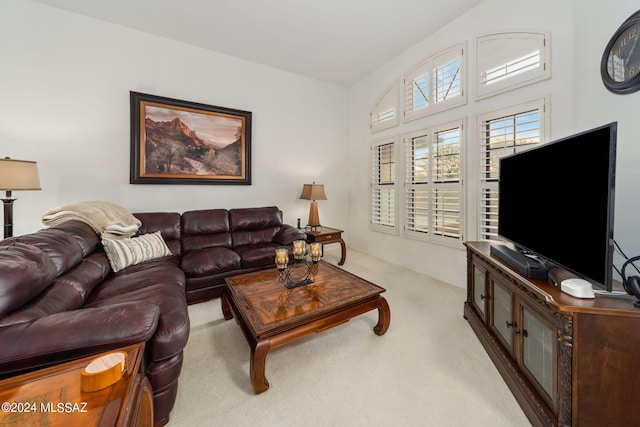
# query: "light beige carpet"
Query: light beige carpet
429,369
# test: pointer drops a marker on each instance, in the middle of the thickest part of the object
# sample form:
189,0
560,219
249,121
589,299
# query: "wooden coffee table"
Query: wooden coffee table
271,315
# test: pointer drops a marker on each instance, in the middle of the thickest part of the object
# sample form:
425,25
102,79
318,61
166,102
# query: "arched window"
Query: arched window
435,84
510,60
384,113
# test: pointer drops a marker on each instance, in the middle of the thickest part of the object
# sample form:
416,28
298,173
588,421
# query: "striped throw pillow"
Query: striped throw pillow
129,251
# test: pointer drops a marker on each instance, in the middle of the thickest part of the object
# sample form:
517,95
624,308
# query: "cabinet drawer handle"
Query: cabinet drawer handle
482,297
525,333
509,324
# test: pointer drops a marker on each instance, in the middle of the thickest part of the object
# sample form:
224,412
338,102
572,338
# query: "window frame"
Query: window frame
376,184
516,79
387,101
426,69
491,184
431,185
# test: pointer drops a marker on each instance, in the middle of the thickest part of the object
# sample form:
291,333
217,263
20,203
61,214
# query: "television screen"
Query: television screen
557,201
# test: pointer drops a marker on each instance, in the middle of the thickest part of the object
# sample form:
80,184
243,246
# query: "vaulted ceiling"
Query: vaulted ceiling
338,41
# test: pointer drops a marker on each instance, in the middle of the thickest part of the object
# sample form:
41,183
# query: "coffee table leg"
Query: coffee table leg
226,308
258,359
384,317
343,258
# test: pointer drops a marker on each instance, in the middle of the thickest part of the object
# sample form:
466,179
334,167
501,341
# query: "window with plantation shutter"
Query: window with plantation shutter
383,186
433,184
502,133
510,60
384,113
435,84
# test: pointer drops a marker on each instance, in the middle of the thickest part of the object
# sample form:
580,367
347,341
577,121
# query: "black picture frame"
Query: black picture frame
180,142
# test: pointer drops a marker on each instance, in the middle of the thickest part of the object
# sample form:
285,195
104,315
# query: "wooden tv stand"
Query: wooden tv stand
567,361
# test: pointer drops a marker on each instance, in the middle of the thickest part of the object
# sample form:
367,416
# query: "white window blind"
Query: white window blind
433,184
503,133
435,84
446,79
510,60
417,90
383,186
384,113
417,183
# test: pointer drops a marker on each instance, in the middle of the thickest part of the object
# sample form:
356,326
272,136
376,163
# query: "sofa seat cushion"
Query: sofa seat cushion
204,262
138,276
258,255
172,333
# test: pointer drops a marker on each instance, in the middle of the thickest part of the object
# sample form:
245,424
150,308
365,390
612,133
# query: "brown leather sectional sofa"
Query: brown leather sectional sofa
217,243
60,300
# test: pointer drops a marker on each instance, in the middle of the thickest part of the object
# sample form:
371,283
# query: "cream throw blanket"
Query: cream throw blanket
107,219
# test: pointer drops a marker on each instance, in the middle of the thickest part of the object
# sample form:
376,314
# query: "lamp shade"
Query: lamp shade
313,192
19,175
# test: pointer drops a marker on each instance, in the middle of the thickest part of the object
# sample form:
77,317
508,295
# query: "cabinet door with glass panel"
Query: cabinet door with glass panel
538,351
502,321
480,289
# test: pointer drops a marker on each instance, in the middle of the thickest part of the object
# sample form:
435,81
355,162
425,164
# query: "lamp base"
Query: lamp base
314,218
7,201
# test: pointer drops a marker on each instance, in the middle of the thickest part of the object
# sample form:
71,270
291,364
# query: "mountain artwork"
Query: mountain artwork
172,147
180,142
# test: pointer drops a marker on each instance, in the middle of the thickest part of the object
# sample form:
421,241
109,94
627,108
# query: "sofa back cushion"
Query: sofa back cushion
206,228
62,248
167,223
79,263
251,226
83,234
25,271
68,292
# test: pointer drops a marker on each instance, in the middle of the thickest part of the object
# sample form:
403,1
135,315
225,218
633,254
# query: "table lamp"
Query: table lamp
16,175
313,192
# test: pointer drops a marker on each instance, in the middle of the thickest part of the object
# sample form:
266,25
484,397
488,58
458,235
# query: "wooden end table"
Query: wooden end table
271,315
52,397
326,235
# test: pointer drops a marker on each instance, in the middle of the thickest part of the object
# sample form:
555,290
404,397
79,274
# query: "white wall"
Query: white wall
64,102
445,263
594,25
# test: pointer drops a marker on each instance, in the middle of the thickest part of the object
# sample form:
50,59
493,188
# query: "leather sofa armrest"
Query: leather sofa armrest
70,335
288,233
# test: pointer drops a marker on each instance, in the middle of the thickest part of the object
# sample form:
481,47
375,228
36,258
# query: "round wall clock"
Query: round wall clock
620,64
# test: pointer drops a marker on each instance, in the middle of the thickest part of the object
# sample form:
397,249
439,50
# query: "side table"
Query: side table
326,235
52,397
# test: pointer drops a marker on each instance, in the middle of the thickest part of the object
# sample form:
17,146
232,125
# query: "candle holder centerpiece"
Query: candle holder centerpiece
299,272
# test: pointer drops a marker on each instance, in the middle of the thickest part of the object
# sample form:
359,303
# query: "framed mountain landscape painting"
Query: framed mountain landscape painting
180,142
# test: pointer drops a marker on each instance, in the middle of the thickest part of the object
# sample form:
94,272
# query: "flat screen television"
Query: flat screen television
557,201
